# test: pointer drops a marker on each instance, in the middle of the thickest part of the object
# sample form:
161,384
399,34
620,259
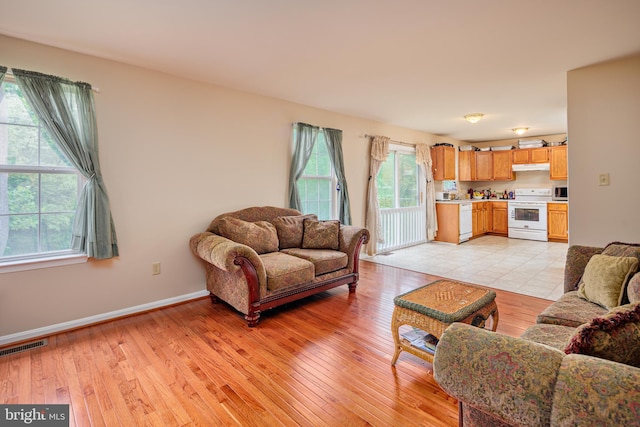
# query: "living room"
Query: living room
175,152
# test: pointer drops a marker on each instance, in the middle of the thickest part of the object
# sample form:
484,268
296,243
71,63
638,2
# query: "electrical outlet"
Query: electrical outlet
603,179
155,268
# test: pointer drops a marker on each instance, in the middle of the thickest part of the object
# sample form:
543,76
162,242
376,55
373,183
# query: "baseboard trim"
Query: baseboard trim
74,324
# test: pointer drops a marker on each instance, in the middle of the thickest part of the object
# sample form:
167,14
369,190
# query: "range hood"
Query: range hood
530,167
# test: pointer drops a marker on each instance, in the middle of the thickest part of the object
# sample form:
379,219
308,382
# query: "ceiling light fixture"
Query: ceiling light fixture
474,117
520,131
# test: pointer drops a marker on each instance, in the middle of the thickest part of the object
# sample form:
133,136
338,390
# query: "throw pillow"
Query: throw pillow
321,234
604,279
261,236
290,230
633,288
623,249
614,336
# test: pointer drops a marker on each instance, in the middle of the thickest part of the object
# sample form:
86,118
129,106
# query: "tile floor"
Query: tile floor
523,266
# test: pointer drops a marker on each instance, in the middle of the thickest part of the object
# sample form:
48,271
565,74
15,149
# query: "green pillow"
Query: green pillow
605,278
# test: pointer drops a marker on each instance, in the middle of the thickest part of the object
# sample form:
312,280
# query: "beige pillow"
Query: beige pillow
290,229
604,279
321,234
261,236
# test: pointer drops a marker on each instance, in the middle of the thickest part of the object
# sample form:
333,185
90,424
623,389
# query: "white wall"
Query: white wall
603,111
174,153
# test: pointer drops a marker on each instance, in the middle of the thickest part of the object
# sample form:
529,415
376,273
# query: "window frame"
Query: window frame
421,186
333,179
40,259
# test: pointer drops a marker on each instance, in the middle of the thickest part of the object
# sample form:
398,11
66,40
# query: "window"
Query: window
318,182
398,180
402,209
39,186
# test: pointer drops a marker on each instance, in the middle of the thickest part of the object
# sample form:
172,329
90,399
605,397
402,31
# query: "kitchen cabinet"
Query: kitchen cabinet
448,222
484,166
530,155
558,221
479,218
467,165
443,160
558,163
502,166
487,216
499,218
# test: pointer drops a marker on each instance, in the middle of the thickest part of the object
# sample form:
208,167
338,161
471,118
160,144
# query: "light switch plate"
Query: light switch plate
603,179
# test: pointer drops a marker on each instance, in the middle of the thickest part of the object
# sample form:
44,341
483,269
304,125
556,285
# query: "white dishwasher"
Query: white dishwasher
466,227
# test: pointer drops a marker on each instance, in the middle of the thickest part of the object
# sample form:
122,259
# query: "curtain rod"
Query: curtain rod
408,144
10,73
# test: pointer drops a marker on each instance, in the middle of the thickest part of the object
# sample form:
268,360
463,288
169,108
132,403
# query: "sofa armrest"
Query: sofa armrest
224,253
351,240
596,392
508,378
577,258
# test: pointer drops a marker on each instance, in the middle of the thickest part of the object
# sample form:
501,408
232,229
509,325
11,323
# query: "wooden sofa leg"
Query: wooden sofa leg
214,299
352,287
253,318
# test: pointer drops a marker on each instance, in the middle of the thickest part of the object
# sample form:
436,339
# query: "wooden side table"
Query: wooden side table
433,307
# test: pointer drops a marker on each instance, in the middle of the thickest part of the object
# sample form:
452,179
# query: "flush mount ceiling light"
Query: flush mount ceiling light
474,117
520,131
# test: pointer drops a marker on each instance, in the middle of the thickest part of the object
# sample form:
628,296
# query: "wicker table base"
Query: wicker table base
433,307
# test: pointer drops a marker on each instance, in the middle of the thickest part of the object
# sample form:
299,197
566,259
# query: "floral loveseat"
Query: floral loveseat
579,365
262,257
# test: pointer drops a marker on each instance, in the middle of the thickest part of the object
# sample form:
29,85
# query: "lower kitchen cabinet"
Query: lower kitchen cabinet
499,218
480,218
448,222
558,221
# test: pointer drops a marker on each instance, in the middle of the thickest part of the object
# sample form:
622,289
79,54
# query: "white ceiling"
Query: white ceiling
419,64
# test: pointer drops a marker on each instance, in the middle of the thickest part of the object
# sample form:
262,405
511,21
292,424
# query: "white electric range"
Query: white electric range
528,214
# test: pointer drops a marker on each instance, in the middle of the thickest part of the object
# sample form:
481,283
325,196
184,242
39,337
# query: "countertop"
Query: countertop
457,202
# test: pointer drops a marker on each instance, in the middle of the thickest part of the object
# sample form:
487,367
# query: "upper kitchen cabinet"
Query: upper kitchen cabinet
484,166
443,158
502,166
467,165
524,156
558,163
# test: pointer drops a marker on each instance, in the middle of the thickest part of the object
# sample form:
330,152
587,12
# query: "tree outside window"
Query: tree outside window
39,186
398,185
317,186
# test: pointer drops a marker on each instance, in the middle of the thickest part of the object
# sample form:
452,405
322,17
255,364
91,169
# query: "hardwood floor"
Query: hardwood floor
323,361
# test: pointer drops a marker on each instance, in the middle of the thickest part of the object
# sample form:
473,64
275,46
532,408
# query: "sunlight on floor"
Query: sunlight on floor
523,266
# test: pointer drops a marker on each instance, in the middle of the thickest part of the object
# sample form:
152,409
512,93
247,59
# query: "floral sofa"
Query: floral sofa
579,365
262,257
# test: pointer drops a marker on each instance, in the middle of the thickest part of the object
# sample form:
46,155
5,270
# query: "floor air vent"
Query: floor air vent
22,347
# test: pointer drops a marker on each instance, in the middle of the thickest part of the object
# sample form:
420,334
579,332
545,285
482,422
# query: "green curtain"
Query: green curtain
306,136
66,110
334,142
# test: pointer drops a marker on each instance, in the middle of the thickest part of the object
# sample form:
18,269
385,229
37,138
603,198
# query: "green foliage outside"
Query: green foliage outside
316,187
406,184
37,206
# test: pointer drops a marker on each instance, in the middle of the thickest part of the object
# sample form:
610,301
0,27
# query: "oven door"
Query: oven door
528,215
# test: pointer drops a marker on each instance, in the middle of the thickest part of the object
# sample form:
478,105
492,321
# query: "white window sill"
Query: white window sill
36,263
